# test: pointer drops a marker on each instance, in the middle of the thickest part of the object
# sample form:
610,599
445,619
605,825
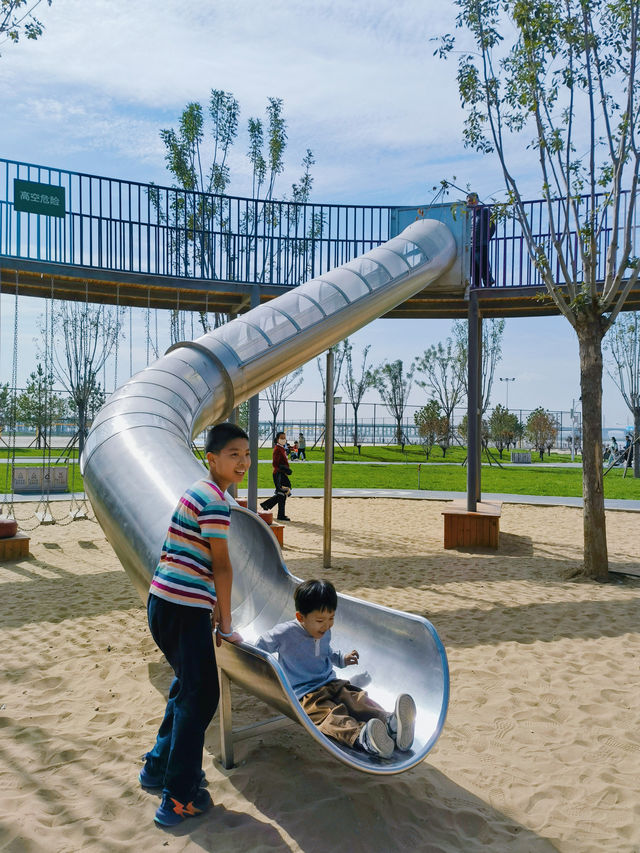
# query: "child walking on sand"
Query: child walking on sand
191,582
338,708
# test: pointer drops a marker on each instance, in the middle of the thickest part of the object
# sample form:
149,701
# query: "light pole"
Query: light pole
507,379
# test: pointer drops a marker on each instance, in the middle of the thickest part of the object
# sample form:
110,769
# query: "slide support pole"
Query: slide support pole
328,460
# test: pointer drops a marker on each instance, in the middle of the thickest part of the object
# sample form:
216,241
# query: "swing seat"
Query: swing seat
399,653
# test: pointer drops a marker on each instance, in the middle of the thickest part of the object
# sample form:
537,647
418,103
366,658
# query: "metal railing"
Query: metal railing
127,226
506,262
132,227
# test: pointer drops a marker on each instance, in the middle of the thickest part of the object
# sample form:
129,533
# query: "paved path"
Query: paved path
424,495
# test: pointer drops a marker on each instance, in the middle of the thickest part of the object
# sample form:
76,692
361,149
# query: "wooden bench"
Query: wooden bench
463,528
14,547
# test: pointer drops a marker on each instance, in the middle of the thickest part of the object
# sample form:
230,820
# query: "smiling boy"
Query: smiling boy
339,709
190,587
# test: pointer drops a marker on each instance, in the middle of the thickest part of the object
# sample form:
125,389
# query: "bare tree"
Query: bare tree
566,71
281,390
623,343
84,338
492,332
394,384
339,355
355,385
443,368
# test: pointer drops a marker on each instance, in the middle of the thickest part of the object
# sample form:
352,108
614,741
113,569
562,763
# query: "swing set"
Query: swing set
41,490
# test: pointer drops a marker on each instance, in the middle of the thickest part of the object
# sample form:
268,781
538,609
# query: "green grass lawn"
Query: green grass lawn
412,453
522,480
42,453
518,481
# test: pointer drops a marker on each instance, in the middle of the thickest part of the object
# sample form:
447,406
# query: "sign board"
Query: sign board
40,480
45,199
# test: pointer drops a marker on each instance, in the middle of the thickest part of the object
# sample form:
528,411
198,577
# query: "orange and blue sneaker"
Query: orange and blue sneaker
171,811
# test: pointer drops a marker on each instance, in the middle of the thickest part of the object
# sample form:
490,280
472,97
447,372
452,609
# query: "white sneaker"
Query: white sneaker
402,722
374,739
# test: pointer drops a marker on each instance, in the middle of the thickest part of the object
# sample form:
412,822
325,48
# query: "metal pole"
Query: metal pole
328,461
254,427
479,416
573,430
473,406
233,488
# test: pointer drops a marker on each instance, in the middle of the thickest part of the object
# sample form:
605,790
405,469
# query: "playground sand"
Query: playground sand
540,751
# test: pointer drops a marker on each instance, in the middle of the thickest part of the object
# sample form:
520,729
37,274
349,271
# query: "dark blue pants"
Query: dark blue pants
183,634
279,497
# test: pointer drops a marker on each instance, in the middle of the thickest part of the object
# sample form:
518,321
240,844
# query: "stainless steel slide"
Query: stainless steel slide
138,461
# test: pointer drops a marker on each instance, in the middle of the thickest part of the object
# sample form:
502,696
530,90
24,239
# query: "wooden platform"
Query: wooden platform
464,529
14,547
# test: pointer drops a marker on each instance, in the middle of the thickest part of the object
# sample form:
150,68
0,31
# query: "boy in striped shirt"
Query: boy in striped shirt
190,589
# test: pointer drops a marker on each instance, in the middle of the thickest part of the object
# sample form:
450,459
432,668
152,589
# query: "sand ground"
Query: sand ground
540,750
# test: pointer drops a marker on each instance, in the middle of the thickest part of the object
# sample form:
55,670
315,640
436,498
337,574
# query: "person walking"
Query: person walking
281,481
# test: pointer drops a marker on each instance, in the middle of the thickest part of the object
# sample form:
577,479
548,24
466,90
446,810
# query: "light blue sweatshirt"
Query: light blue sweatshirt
307,662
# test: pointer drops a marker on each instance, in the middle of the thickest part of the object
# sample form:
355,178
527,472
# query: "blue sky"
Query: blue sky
361,88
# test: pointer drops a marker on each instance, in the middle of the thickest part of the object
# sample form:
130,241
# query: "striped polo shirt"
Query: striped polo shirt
184,574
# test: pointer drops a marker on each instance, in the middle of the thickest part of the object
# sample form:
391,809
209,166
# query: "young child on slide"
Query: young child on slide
339,709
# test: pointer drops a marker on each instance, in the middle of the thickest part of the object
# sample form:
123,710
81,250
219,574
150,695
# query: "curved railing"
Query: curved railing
132,227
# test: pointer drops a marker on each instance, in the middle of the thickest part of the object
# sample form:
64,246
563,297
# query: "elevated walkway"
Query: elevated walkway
134,244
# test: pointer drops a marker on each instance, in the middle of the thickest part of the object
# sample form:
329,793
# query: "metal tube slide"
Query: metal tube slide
138,461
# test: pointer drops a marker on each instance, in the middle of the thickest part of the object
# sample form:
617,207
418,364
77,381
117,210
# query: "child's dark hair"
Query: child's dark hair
221,434
315,595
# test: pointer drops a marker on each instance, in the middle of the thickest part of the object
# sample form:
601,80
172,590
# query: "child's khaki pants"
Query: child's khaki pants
340,710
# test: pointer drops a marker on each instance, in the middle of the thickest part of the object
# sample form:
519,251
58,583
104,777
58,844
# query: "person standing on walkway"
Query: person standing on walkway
483,230
281,481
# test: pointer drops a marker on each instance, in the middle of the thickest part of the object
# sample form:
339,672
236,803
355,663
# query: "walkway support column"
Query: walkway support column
328,461
233,488
254,418
474,403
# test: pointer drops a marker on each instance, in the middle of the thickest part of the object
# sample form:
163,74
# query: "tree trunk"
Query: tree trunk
82,428
355,426
636,436
589,331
